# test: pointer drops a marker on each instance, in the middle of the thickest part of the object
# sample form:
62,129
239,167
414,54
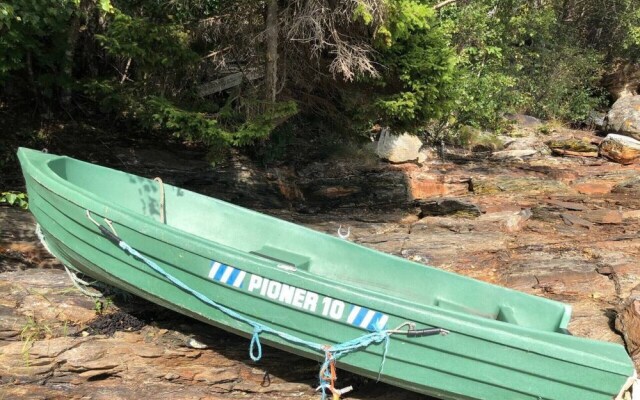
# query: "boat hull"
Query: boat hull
479,359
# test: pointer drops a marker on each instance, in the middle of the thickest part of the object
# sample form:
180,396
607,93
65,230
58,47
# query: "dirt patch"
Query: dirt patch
108,324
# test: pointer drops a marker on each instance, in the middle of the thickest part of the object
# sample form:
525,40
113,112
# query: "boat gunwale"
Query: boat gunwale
475,325
160,227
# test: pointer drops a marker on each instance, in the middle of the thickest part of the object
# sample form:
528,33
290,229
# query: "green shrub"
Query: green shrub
186,121
416,71
18,199
516,57
33,41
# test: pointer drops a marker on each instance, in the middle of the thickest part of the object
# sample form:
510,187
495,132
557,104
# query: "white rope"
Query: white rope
91,218
42,241
110,224
77,282
342,235
632,382
74,278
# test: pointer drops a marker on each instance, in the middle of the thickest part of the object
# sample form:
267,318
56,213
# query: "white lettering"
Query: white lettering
274,289
287,294
298,297
263,289
326,303
311,301
294,296
254,283
337,309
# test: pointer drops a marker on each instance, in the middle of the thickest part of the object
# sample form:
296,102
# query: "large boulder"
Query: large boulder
621,149
623,81
624,117
398,148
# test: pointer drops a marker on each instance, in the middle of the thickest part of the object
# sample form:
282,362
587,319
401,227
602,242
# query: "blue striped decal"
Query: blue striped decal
226,274
358,316
367,319
221,269
234,275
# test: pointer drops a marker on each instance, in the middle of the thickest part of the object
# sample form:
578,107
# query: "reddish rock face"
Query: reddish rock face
593,188
423,184
628,322
338,191
604,216
424,188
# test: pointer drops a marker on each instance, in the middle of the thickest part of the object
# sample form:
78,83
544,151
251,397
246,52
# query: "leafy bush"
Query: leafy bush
157,113
157,90
155,48
557,76
33,41
416,70
17,199
521,57
484,88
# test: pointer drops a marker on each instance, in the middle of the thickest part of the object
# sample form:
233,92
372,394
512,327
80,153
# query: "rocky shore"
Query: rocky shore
541,215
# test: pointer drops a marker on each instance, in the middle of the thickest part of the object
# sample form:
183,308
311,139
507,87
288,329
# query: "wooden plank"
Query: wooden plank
221,84
227,82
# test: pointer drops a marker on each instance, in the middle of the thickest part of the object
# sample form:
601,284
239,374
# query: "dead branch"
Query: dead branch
444,3
328,28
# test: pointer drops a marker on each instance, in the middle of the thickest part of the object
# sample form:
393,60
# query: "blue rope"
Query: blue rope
332,353
255,340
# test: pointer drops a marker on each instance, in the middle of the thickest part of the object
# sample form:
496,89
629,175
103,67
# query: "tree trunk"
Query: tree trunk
67,62
271,62
32,80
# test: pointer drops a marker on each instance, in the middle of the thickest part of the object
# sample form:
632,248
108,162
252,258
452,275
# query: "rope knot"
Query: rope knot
255,344
328,374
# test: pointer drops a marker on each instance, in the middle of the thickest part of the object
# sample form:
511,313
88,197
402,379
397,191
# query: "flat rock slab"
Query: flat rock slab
509,154
629,187
567,205
448,206
574,146
575,220
44,352
510,184
604,216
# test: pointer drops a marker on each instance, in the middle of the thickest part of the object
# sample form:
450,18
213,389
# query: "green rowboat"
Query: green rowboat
253,274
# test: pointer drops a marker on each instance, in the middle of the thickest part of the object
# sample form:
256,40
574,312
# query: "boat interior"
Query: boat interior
311,252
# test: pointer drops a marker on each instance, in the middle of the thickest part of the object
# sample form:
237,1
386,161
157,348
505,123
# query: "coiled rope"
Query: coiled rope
327,375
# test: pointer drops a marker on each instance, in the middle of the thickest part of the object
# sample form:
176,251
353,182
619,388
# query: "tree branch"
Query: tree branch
444,3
